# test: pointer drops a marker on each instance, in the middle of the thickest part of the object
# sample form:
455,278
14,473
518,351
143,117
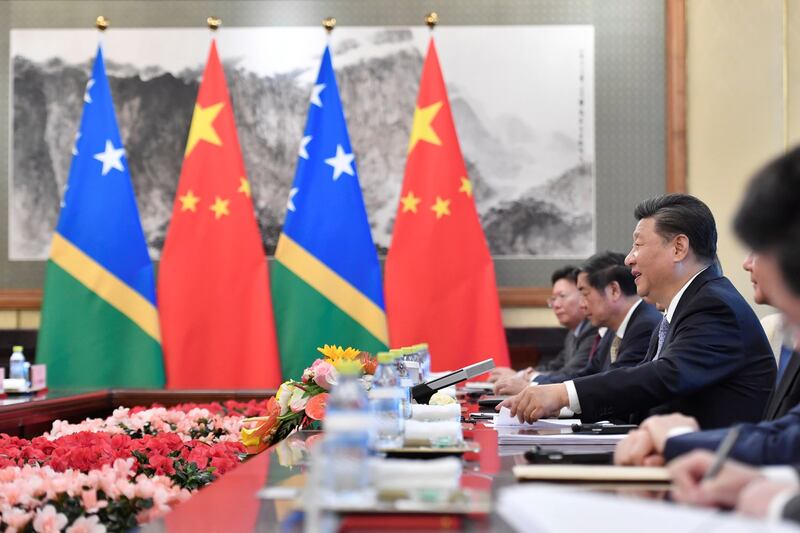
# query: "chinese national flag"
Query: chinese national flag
440,284
213,289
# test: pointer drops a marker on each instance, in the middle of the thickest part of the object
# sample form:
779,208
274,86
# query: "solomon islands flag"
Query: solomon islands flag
99,319
326,279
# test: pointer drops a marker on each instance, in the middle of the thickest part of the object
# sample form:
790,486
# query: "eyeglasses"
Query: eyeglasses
553,299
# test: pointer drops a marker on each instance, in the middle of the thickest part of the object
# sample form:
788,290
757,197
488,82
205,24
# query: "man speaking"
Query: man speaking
709,357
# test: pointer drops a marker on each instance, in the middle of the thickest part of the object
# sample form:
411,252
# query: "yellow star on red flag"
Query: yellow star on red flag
244,187
422,130
220,207
441,207
202,128
189,201
410,202
466,187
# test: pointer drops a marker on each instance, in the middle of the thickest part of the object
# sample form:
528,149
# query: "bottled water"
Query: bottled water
386,404
424,355
17,365
403,381
411,359
346,445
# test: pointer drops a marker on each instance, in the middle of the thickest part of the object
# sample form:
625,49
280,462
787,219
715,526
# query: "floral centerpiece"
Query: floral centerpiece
301,404
115,473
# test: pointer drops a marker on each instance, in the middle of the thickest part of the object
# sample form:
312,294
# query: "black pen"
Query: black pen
723,451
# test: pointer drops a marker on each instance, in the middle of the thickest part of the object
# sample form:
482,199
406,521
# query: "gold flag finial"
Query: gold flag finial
432,19
214,23
101,23
329,23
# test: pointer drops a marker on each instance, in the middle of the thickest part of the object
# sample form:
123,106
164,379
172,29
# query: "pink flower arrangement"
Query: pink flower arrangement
111,497
112,474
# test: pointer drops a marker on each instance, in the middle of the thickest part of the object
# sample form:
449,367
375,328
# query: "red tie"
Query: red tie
595,344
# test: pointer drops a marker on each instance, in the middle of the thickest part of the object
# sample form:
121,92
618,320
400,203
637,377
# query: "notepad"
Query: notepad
591,473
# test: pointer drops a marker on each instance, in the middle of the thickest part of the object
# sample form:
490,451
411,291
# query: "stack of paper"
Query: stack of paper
591,473
550,509
529,437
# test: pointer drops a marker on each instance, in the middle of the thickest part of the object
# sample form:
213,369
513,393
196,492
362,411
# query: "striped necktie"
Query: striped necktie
663,331
614,351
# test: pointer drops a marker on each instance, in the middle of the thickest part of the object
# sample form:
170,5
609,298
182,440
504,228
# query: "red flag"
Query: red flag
213,289
440,284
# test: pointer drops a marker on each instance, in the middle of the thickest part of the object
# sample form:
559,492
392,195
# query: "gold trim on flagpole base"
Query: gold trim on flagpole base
432,19
101,23
329,23
214,23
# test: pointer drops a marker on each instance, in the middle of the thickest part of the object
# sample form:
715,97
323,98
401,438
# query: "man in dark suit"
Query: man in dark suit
769,223
610,300
565,302
709,358
666,437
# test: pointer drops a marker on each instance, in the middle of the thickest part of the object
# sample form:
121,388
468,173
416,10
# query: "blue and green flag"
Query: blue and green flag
99,320
326,278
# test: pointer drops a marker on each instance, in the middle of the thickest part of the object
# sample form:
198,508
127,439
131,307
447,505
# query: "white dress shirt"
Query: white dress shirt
624,326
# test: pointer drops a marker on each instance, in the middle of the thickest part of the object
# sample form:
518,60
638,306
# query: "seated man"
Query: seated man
709,359
763,228
609,297
565,302
769,222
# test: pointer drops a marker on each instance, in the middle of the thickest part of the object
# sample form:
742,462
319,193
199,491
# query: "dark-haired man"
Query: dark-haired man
769,223
609,297
709,358
565,301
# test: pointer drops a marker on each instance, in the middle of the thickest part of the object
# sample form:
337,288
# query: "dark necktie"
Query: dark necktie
783,362
663,331
595,344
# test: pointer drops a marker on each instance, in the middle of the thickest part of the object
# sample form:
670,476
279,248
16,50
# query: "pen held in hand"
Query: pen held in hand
723,451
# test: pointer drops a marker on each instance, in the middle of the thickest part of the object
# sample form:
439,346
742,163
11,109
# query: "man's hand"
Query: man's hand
645,446
501,372
756,497
511,385
637,449
659,427
722,491
541,401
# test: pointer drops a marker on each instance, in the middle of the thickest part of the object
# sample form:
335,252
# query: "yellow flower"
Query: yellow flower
335,354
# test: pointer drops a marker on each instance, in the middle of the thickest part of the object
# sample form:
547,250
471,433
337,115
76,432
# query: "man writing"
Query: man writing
709,359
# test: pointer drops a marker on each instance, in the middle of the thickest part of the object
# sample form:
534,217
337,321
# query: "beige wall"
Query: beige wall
737,108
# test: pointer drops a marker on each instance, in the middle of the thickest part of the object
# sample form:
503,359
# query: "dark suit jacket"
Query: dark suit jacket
716,364
787,394
576,350
768,443
632,348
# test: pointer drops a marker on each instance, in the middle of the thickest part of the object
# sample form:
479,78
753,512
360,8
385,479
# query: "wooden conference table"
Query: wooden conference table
230,504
